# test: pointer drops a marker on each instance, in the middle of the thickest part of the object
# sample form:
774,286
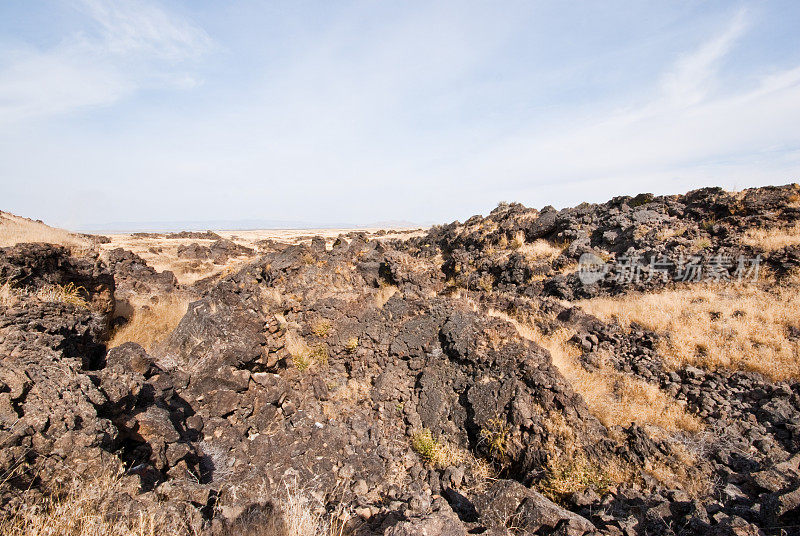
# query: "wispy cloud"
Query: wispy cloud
689,133
136,27
693,76
135,45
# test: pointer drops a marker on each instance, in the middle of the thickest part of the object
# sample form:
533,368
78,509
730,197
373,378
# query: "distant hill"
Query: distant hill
16,229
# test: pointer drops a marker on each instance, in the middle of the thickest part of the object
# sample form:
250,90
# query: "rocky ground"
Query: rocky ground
390,380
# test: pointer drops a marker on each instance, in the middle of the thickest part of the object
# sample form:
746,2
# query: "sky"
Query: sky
378,111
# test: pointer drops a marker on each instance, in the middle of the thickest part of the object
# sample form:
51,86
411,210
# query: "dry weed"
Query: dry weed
541,250
69,293
83,509
303,355
569,474
569,469
8,296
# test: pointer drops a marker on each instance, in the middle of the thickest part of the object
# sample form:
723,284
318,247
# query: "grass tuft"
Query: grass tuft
495,433
351,345
68,293
321,328
772,239
569,474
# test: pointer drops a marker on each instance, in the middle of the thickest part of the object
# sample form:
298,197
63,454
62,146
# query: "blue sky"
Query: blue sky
359,112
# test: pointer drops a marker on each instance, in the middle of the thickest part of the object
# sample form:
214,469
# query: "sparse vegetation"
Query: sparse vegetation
566,475
84,507
17,230
303,355
69,293
744,327
772,239
319,353
518,241
7,294
442,455
485,283
613,397
541,250
702,243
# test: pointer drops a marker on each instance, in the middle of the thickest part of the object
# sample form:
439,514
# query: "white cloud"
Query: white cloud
142,28
693,76
137,45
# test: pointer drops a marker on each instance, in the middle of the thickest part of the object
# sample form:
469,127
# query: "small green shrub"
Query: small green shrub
319,353
708,225
495,433
302,361
424,444
434,452
485,283
351,345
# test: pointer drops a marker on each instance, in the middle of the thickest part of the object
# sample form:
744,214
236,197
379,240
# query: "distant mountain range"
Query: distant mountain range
239,225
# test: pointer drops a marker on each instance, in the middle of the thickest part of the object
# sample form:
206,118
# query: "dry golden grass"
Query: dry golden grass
15,230
83,509
151,323
613,397
540,250
298,518
68,293
297,513
8,296
303,355
742,327
773,238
